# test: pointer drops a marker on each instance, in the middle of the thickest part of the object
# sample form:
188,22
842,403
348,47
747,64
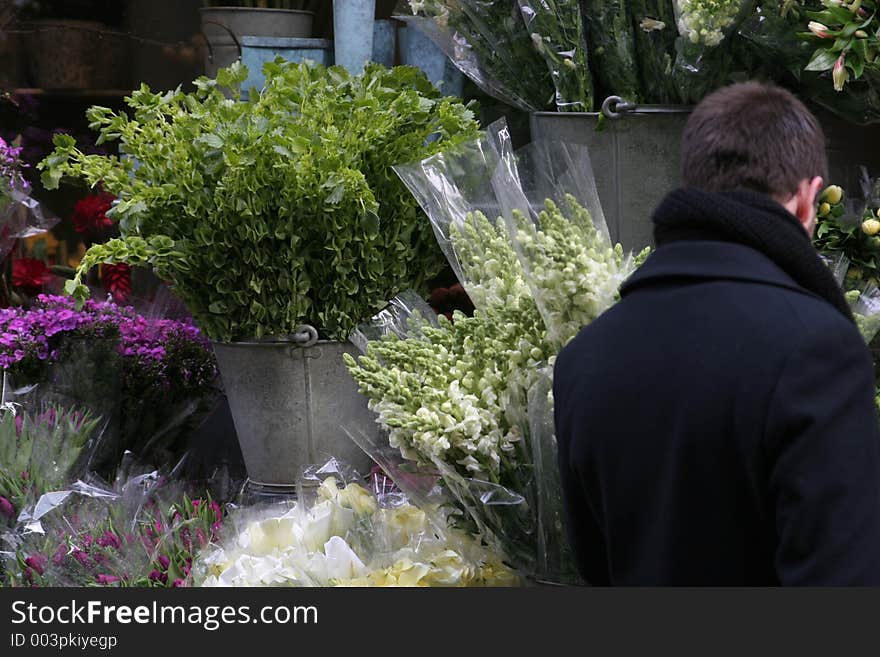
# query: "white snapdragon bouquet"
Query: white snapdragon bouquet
470,399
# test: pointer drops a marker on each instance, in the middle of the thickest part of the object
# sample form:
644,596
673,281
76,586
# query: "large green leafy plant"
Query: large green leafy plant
278,210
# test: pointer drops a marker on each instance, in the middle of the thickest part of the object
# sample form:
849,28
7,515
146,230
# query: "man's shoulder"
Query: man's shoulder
772,318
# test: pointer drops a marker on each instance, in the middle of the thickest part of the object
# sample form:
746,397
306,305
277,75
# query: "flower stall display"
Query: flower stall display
279,222
346,535
469,399
164,381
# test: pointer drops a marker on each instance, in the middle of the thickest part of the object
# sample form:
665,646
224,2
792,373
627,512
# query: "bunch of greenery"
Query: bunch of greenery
276,211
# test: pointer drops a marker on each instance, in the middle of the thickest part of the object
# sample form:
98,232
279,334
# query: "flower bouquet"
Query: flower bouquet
470,400
705,58
491,44
142,531
42,446
343,534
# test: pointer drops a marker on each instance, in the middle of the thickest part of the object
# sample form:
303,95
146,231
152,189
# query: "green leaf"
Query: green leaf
822,60
211,140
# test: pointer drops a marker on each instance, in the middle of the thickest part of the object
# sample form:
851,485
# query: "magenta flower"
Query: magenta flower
156,576
106,580
82,558
178,583
164,561
109,539
38,562
6,508
60,553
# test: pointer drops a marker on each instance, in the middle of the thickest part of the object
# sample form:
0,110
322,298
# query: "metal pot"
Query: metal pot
290,398
636,157
73,54
223,28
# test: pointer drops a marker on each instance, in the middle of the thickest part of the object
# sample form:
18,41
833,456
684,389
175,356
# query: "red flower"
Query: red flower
117,281
90,213
29,275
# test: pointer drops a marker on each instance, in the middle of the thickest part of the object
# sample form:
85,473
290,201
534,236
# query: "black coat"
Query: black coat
717,427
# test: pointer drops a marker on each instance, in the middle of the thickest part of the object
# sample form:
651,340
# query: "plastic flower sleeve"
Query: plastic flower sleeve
44,445
405,316
705,59
838,263
558,34
456,190
21,215
556,560
488,41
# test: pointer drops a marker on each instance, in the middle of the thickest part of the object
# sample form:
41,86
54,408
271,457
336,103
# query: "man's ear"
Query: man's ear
803,204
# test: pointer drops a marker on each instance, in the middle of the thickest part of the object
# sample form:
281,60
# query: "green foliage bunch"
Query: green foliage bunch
278,210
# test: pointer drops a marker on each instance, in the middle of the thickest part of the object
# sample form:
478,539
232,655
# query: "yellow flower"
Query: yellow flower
871,227
328,489
448,568
405,522
408,573
359,499
832,194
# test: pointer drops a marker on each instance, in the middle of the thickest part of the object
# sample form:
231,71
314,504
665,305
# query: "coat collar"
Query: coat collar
709,260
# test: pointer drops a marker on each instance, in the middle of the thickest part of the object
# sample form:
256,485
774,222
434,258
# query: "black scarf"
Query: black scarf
754,220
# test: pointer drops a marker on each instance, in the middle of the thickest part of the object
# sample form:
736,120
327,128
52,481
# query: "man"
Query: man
717,426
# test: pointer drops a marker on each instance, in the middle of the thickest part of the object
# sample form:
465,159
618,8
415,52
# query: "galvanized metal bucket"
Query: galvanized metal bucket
636,157
290,399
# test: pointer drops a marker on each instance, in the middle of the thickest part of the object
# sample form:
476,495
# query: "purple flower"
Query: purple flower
156,576
109,539
106,580
60,553
6,507
82,558
179,583
38,562
164,561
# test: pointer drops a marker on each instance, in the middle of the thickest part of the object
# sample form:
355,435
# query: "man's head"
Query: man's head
761,138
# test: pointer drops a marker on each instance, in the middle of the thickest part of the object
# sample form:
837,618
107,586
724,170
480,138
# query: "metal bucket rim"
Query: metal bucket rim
642,110
237,10
276,342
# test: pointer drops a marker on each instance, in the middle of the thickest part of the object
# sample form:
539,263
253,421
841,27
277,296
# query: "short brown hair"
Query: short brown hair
752,136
